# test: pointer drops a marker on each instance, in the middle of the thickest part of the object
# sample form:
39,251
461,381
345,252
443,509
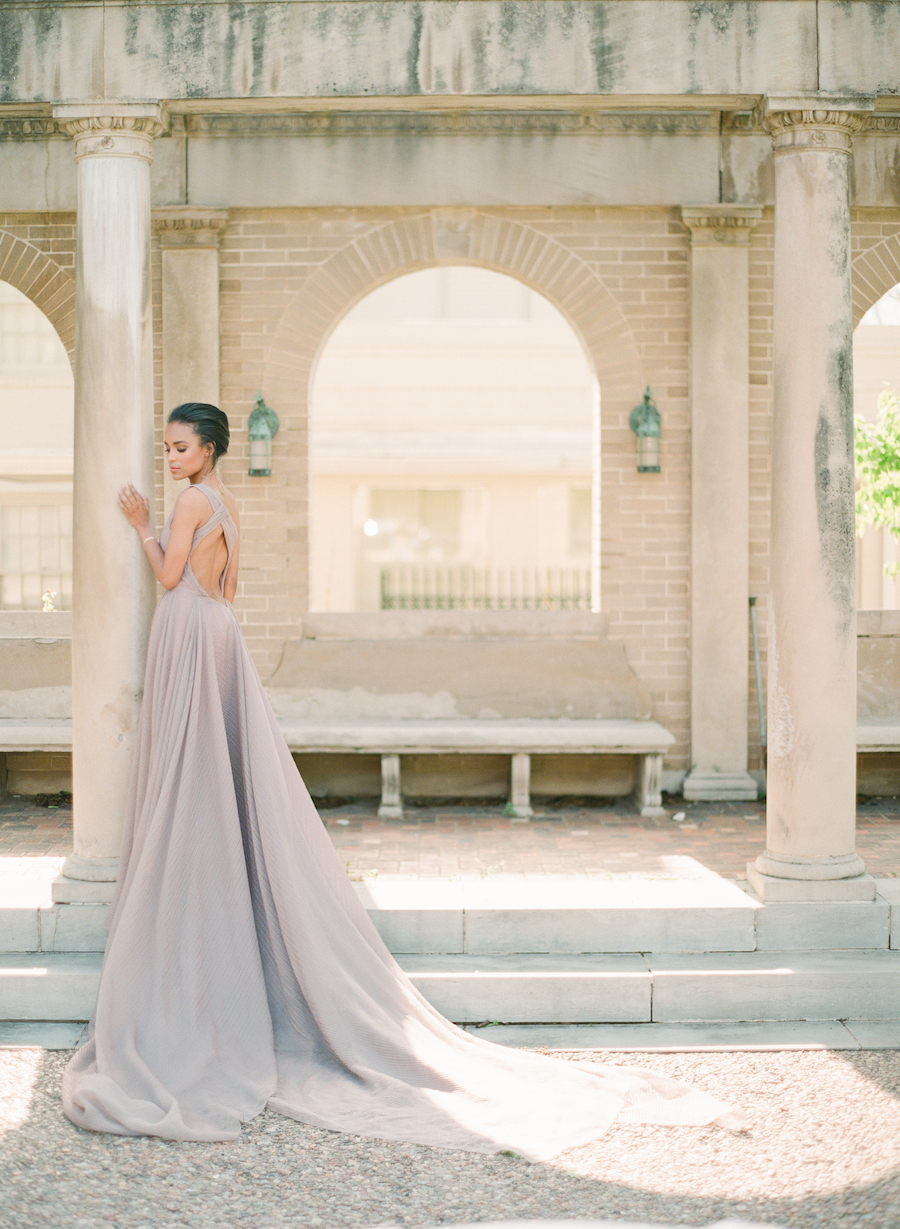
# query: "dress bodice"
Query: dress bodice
220,516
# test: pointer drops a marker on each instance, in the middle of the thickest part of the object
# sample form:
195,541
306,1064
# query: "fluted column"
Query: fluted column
811,802
113,588
720,494
189,243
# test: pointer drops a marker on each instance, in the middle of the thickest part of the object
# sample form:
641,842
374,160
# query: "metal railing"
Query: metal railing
410,587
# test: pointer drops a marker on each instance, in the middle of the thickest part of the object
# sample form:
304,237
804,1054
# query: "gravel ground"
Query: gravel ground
823,1151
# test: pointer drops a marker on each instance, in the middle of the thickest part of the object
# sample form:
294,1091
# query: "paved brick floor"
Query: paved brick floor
601,840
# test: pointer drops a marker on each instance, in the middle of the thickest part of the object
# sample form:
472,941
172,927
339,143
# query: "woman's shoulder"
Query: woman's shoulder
190,501
230,503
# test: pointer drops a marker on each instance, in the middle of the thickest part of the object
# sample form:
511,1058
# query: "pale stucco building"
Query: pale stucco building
197,197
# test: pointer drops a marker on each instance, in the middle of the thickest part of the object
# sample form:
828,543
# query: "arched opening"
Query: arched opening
36,441
876,375
454,451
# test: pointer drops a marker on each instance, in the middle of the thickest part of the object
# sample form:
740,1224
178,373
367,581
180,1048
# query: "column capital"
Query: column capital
112,129
823,122
189,227
715,225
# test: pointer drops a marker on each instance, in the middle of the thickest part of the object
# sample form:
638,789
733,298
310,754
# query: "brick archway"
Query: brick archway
50,287
874,273
457,237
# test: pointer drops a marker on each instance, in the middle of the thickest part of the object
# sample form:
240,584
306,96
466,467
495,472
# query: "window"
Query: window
35,555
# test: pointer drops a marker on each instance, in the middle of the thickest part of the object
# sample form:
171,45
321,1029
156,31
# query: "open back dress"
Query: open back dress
241,971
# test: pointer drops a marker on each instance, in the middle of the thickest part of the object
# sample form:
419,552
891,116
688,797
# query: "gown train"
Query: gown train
241,971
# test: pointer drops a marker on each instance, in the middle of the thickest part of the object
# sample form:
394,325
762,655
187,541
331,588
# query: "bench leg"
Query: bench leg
519,805
391,802
649,791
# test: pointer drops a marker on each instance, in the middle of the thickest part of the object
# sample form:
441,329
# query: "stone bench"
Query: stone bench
510,683
518,739
878,700
395,684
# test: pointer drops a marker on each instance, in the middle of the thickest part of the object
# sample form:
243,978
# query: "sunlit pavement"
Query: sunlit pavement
603,839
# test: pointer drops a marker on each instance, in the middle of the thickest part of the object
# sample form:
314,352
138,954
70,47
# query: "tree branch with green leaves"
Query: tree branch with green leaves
878,471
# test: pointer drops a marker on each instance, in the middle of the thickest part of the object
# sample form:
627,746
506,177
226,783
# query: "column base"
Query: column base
769,888
93,870
390,811
707,785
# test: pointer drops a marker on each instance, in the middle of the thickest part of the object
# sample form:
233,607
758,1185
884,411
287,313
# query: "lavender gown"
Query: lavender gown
242,973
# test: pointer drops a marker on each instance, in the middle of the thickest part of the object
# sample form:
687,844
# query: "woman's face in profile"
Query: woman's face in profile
184,452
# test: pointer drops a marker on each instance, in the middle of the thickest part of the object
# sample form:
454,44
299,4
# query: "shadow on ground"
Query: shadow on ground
823,1153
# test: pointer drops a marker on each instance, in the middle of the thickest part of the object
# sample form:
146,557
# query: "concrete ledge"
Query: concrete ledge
41,1034
771,888
680,1038
889,891
822,925
492,737
20,929
724,989
509,915
776,986
74,928
34,734
700,786
469,989
48,986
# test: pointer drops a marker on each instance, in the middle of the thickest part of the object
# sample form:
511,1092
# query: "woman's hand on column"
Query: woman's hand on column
135,507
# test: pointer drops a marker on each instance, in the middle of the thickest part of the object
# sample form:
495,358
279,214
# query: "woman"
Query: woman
241,971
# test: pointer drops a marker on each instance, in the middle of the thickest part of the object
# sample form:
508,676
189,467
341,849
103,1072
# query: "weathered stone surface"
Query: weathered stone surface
776,986
505,667
427,49
468,989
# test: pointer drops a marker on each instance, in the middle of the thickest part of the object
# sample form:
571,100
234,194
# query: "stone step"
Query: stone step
48,986
514,915
834,985
534,989
621,1038
757,1035
562,989
662,988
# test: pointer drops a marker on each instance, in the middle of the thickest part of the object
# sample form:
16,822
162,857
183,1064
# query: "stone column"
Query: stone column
811,809
113,588
189,243
720,398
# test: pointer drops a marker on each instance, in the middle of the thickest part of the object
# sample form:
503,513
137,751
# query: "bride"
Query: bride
241,971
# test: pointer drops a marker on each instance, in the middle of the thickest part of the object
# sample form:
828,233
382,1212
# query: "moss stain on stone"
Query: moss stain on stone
835,481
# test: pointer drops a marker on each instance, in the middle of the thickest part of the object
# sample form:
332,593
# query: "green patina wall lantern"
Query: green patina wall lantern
262,427
646,423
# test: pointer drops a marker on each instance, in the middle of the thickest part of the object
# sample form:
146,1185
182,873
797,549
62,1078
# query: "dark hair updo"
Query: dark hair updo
210,425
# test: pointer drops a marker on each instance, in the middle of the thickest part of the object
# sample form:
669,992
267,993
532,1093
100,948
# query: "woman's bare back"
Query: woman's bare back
210,556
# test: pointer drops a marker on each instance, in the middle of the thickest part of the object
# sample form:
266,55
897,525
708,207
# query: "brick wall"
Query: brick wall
620,276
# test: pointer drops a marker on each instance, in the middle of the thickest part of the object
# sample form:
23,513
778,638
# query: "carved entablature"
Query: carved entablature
714,225
189,228
796,123
126,132
470,122
30,128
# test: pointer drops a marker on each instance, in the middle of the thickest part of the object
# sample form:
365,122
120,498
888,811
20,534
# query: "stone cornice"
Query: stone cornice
31,128
189,227
715,225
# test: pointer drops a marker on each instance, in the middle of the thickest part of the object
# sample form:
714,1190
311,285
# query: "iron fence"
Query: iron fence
410,587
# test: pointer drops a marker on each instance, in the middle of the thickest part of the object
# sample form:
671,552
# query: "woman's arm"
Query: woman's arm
191,511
